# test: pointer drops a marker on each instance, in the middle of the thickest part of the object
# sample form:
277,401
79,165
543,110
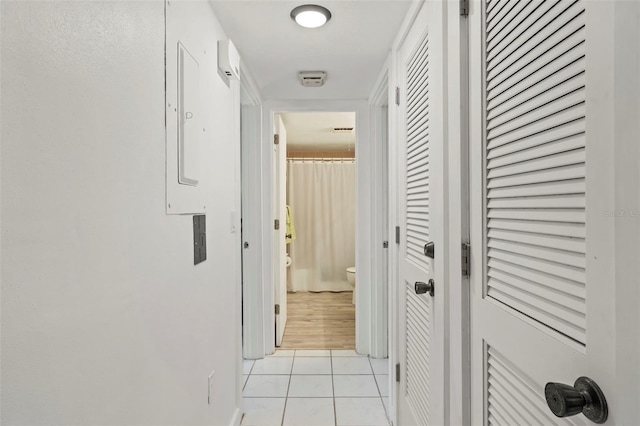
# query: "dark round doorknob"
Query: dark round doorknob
583,397
430,249
422,288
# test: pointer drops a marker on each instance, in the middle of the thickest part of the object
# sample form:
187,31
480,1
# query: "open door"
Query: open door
543,296
279,214
420,283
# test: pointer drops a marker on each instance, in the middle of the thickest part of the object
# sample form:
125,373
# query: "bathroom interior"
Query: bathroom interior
320,230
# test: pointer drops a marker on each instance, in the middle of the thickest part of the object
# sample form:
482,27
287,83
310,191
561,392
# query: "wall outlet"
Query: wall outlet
211,388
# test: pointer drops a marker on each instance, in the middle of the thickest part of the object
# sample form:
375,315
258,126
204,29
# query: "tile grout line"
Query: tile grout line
286,398
384,407
244,385
333,390
375,378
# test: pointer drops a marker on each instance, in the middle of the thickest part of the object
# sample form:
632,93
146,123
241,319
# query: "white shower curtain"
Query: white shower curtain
322,199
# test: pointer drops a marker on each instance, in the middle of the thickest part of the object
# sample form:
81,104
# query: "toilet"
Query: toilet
351,277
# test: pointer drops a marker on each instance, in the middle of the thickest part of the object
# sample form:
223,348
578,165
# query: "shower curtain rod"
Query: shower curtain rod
327,159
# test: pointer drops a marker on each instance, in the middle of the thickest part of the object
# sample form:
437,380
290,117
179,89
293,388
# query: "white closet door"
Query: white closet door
420,67
542,297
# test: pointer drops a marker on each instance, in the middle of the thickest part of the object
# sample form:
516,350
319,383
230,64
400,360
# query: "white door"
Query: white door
421,343
542,295
279,244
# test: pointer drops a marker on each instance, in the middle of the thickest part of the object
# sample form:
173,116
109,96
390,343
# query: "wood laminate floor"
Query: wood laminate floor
320,321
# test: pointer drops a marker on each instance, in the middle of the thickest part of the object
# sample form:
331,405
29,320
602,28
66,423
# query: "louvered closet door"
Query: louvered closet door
542,294
421,389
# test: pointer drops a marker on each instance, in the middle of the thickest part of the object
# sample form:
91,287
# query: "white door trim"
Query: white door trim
627,208
457,227
379,101
363,211
252,202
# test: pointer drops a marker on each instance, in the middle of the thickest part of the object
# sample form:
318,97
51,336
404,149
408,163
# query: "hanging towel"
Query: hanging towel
291,230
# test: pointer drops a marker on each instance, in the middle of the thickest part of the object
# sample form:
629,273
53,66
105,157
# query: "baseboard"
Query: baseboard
237,418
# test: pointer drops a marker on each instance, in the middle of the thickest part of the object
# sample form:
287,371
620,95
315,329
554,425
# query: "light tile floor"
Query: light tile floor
316,388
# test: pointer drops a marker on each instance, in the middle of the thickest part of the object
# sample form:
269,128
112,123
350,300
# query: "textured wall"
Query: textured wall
105,319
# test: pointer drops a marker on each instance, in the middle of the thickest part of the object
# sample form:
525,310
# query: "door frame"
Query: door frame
363,211
251,233
457,219
456,291
258,299
368,307
380,222
626,107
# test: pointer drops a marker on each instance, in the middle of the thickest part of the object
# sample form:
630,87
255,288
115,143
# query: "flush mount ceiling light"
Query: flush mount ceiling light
311,15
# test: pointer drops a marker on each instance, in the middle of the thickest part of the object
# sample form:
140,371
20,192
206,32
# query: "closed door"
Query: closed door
542,288
420,277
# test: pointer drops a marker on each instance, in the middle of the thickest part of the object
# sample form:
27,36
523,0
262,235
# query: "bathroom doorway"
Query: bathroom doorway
319,230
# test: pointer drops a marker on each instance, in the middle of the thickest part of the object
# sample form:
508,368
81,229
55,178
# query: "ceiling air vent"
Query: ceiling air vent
312,78
342,129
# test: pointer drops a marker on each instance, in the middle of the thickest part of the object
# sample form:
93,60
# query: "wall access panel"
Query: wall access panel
185,130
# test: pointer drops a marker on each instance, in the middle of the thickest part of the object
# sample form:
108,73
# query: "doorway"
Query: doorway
260,291
316,198
371,235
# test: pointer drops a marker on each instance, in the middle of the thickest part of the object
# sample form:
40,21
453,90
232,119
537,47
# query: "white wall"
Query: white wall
105,319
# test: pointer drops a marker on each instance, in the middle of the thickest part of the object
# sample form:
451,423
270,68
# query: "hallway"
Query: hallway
316,388
497,212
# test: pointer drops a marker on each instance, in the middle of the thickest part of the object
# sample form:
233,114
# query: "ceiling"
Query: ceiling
351,48
313,131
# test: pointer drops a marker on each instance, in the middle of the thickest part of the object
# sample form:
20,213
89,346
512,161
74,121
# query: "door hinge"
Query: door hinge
385,244
397,235
466,261
277,309
398,95
398,372
464,7
276,139
276,224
